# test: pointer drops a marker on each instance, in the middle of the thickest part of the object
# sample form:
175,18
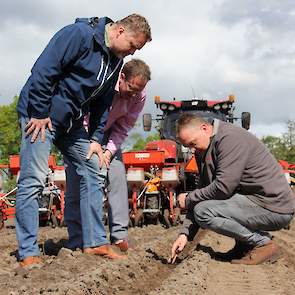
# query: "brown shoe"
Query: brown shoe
266,253
31,262
123,245
105,251
237,252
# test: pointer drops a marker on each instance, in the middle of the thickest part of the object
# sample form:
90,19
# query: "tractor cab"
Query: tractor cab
209,110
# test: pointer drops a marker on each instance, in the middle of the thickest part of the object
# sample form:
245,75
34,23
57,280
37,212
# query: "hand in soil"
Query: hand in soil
177,247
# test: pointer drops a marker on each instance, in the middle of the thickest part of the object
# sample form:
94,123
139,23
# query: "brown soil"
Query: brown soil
146,271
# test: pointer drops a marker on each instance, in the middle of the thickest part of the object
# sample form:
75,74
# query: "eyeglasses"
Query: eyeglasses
132,89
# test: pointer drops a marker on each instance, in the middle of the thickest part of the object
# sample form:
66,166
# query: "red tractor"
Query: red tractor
164,168
50,200
289,171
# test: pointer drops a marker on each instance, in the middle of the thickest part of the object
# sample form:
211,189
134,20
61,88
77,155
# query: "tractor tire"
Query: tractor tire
166,216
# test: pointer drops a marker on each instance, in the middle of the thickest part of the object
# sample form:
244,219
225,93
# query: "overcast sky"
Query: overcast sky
208,49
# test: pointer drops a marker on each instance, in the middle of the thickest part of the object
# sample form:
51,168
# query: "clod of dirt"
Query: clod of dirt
64,253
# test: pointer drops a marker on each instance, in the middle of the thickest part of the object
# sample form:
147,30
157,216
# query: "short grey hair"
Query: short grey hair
186,120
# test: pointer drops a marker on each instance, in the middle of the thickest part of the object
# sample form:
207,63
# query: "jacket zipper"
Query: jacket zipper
98,88
98,76
101,85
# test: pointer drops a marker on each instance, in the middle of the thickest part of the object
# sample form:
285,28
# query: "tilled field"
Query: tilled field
145,271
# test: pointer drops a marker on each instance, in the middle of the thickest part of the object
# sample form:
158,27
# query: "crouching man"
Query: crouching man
243,192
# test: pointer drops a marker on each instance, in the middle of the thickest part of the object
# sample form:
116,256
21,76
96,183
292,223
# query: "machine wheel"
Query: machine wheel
138,218
156,220
167,218
152,218
152,202
176,216
43,222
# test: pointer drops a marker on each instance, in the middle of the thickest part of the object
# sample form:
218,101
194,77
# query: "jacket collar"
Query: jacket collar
98,26
216,123
99,32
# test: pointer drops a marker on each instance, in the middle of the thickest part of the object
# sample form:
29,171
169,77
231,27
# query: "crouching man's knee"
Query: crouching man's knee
203,214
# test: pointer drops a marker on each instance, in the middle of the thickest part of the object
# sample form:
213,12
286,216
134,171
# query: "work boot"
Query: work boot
268,252
31,262
105,251
237,252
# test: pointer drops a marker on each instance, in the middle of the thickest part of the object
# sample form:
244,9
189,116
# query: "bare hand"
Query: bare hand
107,156
177,247
95,148
36,125
181,200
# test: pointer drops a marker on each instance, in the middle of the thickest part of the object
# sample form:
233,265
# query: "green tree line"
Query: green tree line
283,147
10,135
140,142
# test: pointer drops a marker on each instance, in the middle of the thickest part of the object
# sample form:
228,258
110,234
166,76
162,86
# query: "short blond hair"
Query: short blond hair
136,67
136,23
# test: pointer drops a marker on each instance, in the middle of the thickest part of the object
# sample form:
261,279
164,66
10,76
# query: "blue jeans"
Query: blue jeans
117,195
75,201
34,168
240,218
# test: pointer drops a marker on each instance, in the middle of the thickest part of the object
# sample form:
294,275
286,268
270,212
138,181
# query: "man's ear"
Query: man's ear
205,127
120,31
122,76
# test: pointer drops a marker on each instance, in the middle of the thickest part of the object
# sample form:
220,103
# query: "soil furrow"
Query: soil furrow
146,271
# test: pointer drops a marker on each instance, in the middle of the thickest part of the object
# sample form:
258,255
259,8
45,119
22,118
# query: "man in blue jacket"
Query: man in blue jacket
75,74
